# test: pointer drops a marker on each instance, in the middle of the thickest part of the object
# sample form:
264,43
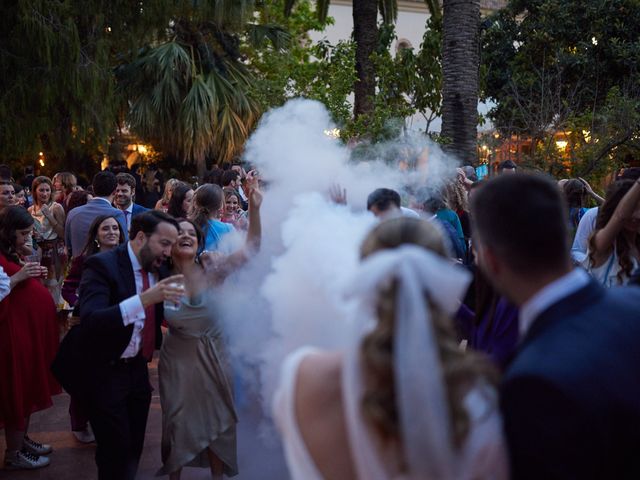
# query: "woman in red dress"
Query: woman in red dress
28,343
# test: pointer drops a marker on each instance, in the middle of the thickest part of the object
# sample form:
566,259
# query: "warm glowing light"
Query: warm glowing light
333,133
587,135
594,40
141,149
496,135
40,154
561,144
41,162
485,148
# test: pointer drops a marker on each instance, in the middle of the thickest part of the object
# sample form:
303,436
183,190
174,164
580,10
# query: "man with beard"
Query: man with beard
125,194
120,301
569,398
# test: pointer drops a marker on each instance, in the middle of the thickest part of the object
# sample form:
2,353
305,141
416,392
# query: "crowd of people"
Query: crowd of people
495,334
96,263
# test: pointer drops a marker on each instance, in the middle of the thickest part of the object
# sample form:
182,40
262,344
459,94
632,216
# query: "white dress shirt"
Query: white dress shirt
5,284
581,241
132,309
241,193
552,293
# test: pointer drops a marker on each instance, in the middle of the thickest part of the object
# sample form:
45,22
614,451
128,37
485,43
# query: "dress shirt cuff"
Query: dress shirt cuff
5,284
132,310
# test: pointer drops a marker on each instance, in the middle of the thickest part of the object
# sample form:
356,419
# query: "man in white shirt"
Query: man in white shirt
120,301
577,366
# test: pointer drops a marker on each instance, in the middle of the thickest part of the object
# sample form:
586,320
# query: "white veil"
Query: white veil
420,391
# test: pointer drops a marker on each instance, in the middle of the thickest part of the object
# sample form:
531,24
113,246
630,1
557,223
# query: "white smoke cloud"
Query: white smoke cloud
290,294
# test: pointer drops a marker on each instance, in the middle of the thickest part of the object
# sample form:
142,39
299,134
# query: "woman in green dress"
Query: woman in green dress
196,391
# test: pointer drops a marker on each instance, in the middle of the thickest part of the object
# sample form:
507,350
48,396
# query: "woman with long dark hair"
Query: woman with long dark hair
180,202
28,343
614,247
105,233
196,393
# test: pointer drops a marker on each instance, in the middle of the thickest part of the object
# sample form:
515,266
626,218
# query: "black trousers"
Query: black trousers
119,397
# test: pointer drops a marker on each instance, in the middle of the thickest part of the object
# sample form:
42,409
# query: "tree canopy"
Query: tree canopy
567,66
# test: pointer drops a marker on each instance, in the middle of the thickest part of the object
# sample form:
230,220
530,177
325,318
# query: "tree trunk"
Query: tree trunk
365,34
460,70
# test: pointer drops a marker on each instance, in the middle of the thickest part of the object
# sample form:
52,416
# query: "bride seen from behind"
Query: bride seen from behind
403,401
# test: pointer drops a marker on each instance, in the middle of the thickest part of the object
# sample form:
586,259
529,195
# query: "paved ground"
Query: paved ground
73,460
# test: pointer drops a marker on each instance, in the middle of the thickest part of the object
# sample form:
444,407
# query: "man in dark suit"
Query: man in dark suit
571,396
76,228
125,195
120,301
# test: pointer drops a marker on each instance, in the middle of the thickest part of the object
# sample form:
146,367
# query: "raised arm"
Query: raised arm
599,200
218,266
605,237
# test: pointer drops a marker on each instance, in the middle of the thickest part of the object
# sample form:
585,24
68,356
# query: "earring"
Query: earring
97,243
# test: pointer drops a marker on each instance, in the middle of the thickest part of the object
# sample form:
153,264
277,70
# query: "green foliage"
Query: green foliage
407,83
72,69
566,66
191,77
190,91
318,71
57,86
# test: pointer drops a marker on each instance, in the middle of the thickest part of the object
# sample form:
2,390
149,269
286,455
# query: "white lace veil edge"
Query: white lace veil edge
421,397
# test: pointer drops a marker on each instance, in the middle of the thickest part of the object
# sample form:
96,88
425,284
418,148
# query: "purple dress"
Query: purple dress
497,336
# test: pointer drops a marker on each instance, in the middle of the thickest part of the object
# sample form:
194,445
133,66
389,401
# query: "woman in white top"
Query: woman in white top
48,229
614,247
403,401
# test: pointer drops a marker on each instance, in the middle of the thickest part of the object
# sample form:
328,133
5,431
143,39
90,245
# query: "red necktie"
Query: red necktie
149,329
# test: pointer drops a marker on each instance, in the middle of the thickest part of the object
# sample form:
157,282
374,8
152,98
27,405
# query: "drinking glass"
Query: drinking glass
170,305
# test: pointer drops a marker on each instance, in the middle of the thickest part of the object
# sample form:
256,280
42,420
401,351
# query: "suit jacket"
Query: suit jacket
571,397
79,220
107,280
138,209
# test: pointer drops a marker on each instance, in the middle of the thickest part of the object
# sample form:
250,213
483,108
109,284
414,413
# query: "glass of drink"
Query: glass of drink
169,304
33,258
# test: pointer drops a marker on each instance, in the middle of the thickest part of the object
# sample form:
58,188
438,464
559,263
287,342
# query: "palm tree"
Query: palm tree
365,34
189,94
460,69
